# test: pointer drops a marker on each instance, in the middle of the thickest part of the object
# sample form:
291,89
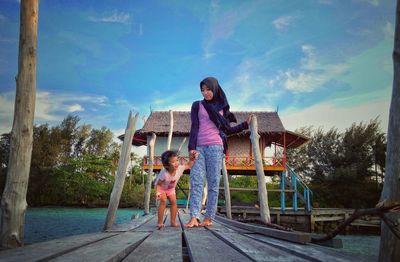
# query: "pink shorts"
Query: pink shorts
168,192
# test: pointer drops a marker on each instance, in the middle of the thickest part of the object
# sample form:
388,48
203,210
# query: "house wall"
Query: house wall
161,145
239,146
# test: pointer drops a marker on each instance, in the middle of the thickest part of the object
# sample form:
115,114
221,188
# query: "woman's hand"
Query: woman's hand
249,119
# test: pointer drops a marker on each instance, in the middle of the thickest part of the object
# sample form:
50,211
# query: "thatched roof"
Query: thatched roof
269,124
158,122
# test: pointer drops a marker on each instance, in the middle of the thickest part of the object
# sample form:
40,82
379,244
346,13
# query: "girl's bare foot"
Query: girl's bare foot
160,226
174,225
206,222
192,223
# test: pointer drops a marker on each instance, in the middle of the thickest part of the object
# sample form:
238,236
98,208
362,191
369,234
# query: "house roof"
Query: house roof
269,123
158,122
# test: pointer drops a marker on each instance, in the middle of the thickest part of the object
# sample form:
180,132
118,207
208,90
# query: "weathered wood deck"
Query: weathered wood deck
139,240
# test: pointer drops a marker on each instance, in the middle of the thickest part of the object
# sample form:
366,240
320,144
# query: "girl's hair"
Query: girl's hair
166,156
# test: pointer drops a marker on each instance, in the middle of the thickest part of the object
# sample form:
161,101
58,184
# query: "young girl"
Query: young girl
166,182
210,125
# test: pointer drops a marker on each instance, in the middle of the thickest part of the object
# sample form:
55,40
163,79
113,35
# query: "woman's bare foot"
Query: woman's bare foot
192,223
206,222
174,225
160,226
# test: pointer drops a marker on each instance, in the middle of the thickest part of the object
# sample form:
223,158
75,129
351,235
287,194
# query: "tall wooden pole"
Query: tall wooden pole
121,172
13,202
227,190
390,245
150,175
262,189
171,129
181,145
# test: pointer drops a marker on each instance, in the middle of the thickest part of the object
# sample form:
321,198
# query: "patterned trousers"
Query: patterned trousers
208,163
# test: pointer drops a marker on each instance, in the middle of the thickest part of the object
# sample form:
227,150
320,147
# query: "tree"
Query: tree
98,141
390,245
13,202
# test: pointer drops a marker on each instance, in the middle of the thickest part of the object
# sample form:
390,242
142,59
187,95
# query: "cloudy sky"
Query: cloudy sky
325,63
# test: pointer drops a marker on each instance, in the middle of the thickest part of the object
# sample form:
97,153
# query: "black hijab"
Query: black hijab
218,103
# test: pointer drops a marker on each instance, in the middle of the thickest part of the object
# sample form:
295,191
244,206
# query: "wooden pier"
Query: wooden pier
139,240
316,220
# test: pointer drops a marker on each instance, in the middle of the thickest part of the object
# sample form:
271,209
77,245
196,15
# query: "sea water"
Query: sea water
43,224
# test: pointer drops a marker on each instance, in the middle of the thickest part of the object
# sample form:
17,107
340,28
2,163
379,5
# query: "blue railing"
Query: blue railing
299,187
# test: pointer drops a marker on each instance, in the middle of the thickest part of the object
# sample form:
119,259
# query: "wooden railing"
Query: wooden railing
232,161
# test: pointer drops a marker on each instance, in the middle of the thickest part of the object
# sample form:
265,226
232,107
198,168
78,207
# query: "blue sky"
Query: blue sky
321,62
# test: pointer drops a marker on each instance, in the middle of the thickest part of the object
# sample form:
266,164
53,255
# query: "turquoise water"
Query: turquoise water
361,245
50,223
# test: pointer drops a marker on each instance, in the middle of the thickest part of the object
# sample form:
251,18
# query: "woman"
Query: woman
210,125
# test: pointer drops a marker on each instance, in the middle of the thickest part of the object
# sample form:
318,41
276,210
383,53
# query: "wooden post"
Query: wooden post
390,245
171,128
121,172
13,202
142,172
283,204
181,145
294,186
227,190
262,189
150,175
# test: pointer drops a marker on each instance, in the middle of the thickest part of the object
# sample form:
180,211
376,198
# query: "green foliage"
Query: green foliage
343,169
74,164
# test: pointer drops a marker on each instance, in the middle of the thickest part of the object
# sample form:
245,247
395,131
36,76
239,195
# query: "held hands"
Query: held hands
193,155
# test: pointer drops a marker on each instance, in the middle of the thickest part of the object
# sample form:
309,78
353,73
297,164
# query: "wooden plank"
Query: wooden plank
161,245
257,250
333,218
228,228
310,251
111,249
205,246
149,226
130,225
49,249
297,237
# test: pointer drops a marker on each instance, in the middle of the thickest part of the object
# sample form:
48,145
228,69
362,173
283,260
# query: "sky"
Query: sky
325,63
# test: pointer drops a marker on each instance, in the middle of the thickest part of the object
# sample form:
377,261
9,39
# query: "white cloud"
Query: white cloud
311,74
115,17
328,115
49,107
222,24
373,2
6,112
283,22
75,108
388,30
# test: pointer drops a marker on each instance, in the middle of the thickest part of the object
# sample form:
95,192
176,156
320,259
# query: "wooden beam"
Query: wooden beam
13,202
121,172
171,129
150,174
227,190
390,244
292,236
262,189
